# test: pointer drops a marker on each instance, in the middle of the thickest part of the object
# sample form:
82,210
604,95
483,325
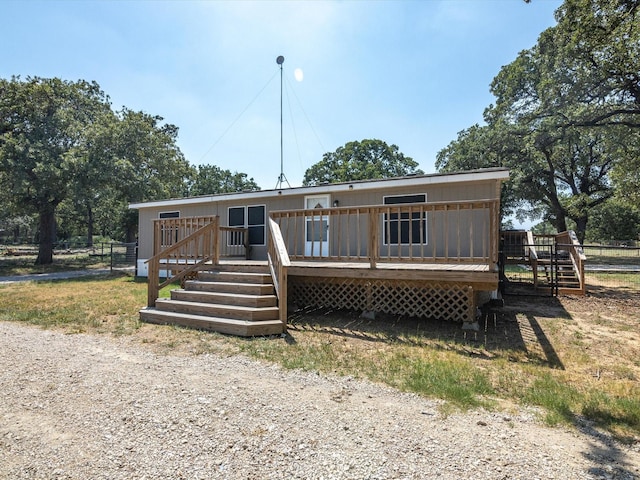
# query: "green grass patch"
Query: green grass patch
452,378
623,281
612,412
557,398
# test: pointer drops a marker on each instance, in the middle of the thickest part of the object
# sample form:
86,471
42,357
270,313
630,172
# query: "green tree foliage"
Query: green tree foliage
131,157
626,172
211,179
42,142
365,160
615,220
64,150
147,165
566,115
583,72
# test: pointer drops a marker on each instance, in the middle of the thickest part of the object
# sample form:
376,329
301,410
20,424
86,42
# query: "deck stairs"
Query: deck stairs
232,299
556,260
559,273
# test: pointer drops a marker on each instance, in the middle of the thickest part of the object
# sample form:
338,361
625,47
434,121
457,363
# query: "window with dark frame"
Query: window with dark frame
400,229
251,217
256,224
168,235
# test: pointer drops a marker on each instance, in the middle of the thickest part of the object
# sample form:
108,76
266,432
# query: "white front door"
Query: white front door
316,228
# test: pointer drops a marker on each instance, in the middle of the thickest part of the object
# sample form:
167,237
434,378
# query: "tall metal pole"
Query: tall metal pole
281,178
281,136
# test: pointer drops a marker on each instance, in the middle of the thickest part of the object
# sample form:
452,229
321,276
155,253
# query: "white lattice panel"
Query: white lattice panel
447,301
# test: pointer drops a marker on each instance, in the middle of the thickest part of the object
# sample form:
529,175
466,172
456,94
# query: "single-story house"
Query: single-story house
419,245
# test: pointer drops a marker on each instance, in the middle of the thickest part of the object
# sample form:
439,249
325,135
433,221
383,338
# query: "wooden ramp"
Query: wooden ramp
232,299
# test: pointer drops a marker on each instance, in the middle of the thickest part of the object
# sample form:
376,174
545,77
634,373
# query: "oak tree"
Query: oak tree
364,160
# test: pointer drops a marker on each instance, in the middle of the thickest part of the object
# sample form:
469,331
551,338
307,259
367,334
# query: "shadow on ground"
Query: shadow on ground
512,331
515,333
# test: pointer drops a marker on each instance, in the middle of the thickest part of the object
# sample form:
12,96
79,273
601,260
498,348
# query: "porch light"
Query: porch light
336,203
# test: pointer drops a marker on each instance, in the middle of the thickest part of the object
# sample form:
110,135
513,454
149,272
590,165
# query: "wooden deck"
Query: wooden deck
480,275
383,259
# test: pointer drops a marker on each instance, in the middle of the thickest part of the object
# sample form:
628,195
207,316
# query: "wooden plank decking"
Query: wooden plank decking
480,275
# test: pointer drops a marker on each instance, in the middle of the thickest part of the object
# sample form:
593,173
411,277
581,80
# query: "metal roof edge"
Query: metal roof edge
498,173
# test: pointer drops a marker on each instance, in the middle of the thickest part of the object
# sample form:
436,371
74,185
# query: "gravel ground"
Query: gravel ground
95,407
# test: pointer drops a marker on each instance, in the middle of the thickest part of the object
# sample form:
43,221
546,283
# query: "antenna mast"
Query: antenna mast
282,178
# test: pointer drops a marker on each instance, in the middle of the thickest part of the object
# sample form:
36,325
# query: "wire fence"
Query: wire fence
119,256
612,267
123,256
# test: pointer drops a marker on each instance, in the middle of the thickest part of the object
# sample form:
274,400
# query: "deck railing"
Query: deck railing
278,264
169,231
182,257
569,241
545,251
183,245
438,232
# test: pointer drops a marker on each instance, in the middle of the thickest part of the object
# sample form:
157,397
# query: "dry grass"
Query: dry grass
572,357
25,264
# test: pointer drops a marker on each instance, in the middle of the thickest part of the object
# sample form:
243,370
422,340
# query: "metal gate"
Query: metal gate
124,256
519,274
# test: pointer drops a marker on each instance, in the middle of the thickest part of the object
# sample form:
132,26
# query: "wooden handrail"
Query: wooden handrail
436,232
279,262
576,253
533,254
168,231
200,247
235,242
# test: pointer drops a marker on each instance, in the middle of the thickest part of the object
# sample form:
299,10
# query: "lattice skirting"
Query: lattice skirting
441,300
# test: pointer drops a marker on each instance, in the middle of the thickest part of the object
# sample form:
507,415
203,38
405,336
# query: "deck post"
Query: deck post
283,297
216,241
373,238
152,288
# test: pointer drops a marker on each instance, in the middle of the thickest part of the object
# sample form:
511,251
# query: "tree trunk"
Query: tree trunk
581,228
47,230
90,222
558,219
560,223
131,223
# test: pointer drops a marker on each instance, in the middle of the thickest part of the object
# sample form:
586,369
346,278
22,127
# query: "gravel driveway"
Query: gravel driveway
96,407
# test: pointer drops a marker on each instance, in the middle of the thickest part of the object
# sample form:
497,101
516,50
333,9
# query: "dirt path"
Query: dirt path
39,277
81,406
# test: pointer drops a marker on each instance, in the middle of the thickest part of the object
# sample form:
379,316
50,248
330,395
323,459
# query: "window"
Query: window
252,217
256,224
405,230
168,233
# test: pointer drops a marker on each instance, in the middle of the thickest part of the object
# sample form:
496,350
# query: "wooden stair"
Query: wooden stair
566,278
235,300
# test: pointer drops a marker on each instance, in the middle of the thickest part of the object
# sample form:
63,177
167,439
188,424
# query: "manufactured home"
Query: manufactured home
420,245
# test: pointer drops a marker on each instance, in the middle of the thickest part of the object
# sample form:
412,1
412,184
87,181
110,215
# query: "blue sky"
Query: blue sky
411,73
